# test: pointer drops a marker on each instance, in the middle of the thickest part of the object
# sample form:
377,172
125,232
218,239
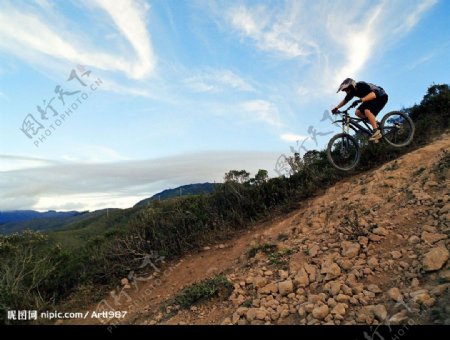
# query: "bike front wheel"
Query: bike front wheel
397,129
343,152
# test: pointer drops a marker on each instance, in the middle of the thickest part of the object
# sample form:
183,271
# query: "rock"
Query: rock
432,238
269,289
339,309
342,298
415,283
394,294
399,318
312,271
334,287
363,241
435,259
301,311
396,254
285,287
444,276
241,311
346,264
206,248
331,269
421,298
302,278
284,274
320,312
374,289
430,229
313,250
373,262
331,302
259,281
124,281
380,231
350,249
251,314
375,238
380,312
440,289
261,314
249,280
413,240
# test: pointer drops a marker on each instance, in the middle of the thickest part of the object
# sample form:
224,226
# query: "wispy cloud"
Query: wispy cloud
217,81
117,184
333,39
291,137
260,110
12,162
257,24
27,34
130,19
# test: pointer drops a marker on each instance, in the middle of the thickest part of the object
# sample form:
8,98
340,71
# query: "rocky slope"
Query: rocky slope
373,249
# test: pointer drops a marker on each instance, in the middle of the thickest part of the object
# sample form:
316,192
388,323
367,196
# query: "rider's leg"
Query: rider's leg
376,133
360,114
370,116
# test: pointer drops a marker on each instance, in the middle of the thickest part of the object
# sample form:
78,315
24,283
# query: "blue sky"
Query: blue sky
183,91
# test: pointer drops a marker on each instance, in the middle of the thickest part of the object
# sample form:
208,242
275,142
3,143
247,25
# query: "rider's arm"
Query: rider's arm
341,104
344,101
369,97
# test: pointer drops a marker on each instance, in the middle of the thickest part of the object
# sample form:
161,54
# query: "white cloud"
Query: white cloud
257,25
10,163
129,17
27,34
217,81
260,110
291,137
414,16
119,184
88,153
329,40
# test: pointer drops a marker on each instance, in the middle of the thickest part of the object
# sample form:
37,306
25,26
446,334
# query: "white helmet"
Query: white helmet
346,84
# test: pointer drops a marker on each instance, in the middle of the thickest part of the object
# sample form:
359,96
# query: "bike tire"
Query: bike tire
389,139
333,155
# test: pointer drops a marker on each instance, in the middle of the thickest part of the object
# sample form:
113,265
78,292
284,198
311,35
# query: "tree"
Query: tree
238,176
261,177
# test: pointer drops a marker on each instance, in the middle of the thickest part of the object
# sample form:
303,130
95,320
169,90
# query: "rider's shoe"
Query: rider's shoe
376,136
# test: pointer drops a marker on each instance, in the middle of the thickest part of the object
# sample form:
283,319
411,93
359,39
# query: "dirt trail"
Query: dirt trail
350,256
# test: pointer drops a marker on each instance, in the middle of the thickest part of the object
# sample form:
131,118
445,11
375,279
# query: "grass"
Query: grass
204,290
266,248
280,257
418,172
394,166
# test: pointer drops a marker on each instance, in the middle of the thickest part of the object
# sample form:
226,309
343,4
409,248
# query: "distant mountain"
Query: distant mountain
26,215
190,189
18,220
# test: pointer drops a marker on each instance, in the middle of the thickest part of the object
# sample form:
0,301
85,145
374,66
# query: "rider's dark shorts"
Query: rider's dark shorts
375,106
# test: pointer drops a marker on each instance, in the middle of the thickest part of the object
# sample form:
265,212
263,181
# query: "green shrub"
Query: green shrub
203,291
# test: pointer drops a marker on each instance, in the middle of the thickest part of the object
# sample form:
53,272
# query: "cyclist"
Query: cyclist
372,99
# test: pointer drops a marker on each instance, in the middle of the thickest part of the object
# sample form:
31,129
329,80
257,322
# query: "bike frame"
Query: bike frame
353,123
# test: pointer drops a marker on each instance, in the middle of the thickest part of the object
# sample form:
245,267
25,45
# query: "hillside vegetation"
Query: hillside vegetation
39,271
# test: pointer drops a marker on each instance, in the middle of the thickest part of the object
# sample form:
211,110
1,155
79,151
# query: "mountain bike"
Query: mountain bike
344,150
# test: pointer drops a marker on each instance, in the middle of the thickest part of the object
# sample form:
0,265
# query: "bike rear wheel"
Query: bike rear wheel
397,129
343,152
